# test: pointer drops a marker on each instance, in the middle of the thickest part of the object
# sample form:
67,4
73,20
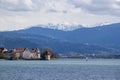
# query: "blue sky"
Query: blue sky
19,14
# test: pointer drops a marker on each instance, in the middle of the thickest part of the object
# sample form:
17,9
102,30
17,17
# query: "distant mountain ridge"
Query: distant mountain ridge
103,39
107,35
15,42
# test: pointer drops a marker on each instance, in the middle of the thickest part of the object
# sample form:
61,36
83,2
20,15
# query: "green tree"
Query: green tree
49,51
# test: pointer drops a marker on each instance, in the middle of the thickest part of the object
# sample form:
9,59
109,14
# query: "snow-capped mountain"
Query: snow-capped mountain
70,26
64,27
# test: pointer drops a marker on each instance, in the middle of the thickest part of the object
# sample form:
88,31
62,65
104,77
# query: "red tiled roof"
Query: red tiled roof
32,51
22,50
19,50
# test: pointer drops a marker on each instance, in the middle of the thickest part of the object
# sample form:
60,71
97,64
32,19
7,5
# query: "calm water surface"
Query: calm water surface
61,69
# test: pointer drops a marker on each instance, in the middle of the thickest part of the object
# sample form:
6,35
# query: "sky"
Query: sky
20,14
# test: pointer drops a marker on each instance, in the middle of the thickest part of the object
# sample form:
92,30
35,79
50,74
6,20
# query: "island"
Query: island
27,54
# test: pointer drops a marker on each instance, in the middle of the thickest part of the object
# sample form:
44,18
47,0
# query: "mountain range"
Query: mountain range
101,39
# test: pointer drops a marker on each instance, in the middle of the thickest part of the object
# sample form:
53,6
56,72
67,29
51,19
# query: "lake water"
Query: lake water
61,69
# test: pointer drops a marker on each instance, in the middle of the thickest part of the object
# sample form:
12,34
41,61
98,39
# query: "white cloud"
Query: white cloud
104,7
17,5
17,14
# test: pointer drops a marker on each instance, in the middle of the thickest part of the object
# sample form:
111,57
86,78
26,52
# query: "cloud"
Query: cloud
104,7
17,14
17,5
35,5
101,7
